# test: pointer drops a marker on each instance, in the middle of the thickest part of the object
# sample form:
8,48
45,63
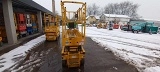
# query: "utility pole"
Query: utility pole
53,6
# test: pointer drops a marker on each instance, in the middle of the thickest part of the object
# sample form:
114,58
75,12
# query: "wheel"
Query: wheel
64,63
150,32
82,62
56,38
31,33
132,31
1,43
20,36
137,31
27,34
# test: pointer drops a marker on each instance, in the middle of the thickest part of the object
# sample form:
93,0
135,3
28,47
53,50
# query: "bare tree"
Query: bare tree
124,8
93,10
101,11
89,10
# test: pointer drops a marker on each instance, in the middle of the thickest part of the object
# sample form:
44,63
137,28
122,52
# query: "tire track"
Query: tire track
146,63
36,57
155,60
124,37
127,43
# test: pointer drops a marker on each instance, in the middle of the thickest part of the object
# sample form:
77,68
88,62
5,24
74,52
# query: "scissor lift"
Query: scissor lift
73,36
51,27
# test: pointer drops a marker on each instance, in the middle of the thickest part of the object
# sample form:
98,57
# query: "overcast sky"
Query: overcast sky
149,9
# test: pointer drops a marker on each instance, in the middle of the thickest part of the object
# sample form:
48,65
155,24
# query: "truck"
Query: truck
136,28
143,26
150,28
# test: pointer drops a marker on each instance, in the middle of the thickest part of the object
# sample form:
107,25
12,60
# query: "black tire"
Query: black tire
132,31
64,63
82,62
137,31
56,39
31,33
20,36
1,43
27,34
150,32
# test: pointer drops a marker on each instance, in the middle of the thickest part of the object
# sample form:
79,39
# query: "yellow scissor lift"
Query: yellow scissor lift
15,21
99,25
73,37
51,27
0,40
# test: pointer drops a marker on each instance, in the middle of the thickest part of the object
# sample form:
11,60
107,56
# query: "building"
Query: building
92,19
9,7
120,19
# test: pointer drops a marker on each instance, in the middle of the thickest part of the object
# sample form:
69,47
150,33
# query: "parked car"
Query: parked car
124,27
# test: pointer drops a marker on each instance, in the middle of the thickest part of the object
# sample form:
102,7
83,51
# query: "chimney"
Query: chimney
53,6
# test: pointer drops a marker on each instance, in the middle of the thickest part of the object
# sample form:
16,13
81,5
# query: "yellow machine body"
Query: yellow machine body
99,25
73,35
51,28
102,25
15,21
0,38
3,33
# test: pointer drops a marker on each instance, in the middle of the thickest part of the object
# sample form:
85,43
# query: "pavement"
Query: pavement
97,59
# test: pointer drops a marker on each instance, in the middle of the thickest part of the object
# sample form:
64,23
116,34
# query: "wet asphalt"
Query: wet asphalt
97,59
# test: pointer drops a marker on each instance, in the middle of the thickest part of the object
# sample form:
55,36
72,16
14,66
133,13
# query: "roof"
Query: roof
115,15
149,19
97,17
29,5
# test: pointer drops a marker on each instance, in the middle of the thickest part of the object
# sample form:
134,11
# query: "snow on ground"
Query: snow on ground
9,59
141,50
153,69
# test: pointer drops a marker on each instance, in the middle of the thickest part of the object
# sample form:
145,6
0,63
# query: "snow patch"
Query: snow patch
19,51
152,69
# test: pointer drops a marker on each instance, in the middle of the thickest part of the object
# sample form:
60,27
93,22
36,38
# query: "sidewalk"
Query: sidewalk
6,48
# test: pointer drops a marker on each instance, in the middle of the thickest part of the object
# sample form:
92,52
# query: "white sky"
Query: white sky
149,9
